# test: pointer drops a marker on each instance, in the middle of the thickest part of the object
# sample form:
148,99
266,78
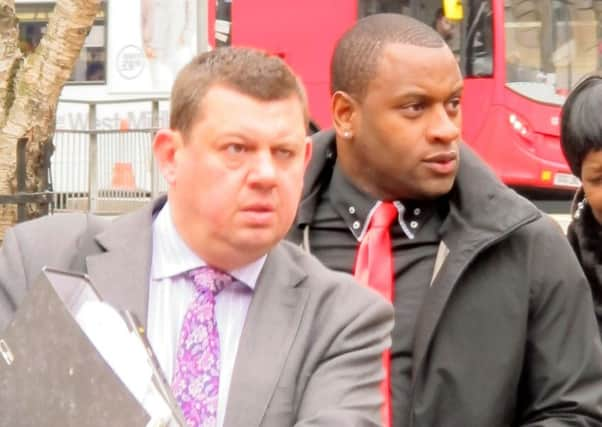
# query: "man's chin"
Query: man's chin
257,241
436,190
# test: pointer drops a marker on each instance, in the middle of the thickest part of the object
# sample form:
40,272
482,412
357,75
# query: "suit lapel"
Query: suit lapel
272,321
121,273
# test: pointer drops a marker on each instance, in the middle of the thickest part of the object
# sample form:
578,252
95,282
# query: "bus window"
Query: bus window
449,30
550,45
477,39
470,40
90,66
223,23
372,7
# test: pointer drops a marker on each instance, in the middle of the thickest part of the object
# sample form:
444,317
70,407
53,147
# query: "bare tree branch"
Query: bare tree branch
10,56
37,86
45,71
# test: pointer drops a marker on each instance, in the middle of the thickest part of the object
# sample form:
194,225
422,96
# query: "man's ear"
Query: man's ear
165,147
344,111
308,151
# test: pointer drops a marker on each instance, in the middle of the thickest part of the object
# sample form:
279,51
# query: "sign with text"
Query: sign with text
149,41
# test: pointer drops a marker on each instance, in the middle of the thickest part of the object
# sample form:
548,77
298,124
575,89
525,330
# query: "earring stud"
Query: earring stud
347,134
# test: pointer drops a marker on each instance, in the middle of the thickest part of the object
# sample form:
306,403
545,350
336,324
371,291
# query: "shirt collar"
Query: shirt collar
356,207
173,257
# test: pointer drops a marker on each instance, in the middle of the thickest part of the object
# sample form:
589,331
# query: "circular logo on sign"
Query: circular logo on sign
130,62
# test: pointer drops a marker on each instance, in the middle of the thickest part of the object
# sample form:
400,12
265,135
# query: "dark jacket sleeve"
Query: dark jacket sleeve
589,261
562,376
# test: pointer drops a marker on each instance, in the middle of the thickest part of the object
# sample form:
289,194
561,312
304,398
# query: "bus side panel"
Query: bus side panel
476,101
543,119
211,22
303,33
498,145
517,159
484,128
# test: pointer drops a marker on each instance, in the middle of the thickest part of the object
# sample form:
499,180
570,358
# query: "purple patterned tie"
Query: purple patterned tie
196,377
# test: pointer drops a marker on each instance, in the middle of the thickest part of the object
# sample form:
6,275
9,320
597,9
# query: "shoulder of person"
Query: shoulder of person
62,225
545,228
549,260
56,235
329,282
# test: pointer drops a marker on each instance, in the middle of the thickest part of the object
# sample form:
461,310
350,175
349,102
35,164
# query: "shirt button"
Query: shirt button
351,210
413,224
417,211
356,225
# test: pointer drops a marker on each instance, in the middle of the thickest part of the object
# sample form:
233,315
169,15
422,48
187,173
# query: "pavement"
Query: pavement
558,209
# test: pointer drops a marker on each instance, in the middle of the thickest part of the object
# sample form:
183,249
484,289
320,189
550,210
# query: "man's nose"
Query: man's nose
263,170
444,128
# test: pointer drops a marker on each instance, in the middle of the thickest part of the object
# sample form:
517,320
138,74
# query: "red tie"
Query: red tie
374,268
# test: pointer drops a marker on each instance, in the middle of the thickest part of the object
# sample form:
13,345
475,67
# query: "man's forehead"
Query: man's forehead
405,64
244,116
228,96
396,53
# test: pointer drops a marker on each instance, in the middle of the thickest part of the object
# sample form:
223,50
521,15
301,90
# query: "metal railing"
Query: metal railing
102,165
21,198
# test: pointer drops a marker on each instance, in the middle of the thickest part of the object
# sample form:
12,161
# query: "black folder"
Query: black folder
51,373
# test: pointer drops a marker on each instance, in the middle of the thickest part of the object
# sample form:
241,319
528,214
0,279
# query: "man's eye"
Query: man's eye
284,152
415,108
412,110
235,148
454,103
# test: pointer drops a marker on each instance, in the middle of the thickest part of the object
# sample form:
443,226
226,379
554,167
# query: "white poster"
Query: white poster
148,42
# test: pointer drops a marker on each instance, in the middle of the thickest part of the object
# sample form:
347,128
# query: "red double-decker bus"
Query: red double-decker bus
519,57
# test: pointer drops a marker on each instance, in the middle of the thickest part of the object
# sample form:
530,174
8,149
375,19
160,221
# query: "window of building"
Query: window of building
90,67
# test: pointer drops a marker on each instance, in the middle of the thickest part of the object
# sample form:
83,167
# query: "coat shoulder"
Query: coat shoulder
330,282
52,238
62,225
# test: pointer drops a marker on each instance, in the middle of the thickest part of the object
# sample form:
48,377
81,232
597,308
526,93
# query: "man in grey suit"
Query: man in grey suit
296,344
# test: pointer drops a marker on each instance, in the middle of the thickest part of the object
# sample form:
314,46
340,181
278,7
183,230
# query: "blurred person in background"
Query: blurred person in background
581,141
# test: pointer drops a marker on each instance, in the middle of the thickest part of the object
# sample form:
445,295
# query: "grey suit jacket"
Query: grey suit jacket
310,351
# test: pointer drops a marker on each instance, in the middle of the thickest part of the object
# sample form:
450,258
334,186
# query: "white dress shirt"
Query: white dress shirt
171,292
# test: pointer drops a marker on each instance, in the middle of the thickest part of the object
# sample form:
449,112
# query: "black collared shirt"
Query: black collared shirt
340,223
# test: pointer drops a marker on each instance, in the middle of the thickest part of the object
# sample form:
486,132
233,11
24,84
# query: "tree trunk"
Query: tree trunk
30,88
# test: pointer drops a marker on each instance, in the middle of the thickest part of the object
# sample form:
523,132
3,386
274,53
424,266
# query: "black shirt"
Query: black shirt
338,226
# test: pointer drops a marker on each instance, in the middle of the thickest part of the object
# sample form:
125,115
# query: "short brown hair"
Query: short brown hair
251,72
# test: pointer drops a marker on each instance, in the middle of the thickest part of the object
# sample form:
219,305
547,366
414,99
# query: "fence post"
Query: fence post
21,143
46,179
154,169
92,160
